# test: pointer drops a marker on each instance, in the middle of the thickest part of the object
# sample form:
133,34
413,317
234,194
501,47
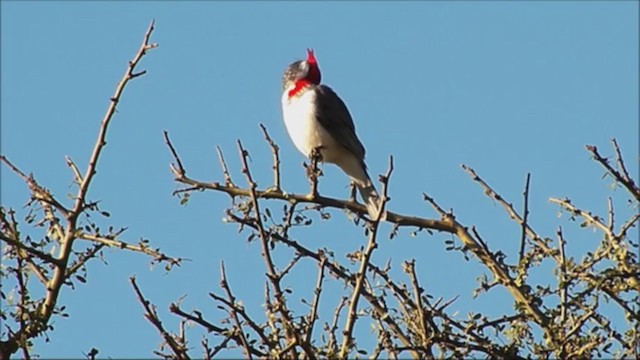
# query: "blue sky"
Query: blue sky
505,87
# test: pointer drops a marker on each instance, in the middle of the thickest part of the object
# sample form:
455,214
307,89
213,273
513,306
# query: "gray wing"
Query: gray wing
334,116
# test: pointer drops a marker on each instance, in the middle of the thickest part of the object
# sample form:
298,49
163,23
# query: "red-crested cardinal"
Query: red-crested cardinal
316,117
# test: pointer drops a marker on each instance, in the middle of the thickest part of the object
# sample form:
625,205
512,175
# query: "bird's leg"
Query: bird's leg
313,172
352,191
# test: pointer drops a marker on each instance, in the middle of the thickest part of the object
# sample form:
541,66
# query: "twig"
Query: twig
525,215
234,315
384,342
14,168
513,214
289,266
38,270
578,325
219,347
269,310
158,256
313,316
22,304
175,309
225,170
241,311
352,315
435,206
35,252
179,350
83,258
611,215
619,160
38,192
503,319
437,310
102,135
417,291
272,274
289,218
563,288
76,172
180,171
614,241
276,158
623,178
497,269
206,349
334,324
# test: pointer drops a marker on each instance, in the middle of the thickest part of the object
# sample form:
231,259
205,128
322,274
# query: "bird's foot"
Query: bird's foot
273,190
352,191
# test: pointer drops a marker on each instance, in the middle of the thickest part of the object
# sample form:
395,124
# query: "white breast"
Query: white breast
303,128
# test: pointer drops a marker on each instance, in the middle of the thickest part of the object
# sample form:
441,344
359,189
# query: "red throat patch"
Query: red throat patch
300,85
313,75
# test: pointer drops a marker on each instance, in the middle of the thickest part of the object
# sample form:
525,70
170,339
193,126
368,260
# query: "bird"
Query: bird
317,118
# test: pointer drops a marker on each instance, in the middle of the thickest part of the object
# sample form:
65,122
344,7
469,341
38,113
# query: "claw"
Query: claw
273,189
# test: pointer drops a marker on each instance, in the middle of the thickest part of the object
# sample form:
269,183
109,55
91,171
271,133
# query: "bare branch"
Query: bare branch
225,171
410,269
272,274
179,349
102,135
334,324
141,248
628,225
596,222
228,333
562,284
352,315
35,252
525,212
82,259
234,315
622,178
276,158
313,316
14,168
180,171
77,176
513,214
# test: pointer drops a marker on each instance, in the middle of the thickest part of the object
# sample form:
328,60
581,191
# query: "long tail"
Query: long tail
356,169
370,198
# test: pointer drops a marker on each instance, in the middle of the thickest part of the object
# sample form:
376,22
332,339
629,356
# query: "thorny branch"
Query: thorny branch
424,329
525,211
365,257
292,335
276,158
53,258
313,316
620,175
179,349
234,314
